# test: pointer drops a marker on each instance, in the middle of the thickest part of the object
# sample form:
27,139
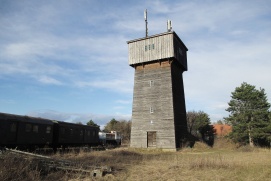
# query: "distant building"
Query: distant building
222,130
159,113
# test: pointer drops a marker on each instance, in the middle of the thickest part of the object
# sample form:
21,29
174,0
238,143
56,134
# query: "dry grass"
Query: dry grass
16,168
221,163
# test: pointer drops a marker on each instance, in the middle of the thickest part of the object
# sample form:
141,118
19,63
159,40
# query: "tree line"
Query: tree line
249,116
122,126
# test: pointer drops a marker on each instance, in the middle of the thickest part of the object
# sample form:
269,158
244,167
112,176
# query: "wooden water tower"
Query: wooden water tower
159,113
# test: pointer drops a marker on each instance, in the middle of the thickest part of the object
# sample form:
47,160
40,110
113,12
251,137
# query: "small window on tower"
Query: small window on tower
151,83
151,109
149,47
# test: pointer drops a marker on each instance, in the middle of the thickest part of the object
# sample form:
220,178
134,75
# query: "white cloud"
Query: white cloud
49,80
82,45
123,101
100,119
117,85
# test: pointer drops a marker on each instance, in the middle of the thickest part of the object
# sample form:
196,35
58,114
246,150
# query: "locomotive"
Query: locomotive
112,138
25,132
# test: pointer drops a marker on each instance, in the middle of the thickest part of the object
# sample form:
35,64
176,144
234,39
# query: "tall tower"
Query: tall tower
159,113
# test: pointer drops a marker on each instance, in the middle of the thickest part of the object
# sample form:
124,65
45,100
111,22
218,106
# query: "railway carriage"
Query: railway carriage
24,131
69,134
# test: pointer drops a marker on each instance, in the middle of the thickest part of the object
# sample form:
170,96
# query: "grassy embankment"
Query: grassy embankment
222,162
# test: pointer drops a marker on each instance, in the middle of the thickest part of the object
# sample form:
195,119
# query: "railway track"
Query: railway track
47,164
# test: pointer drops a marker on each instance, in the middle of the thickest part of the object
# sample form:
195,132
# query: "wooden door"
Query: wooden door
151,138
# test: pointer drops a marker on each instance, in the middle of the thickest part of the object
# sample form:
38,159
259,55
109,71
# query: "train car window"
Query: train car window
48,129
62,130
88,133
13,127
35,128
81,133
76,132
28,128
71,131
93,133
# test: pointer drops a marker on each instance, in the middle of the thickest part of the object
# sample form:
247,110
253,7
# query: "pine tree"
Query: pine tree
92,123
249,116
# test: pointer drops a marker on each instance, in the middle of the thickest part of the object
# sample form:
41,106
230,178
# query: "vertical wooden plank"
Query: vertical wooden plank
165,97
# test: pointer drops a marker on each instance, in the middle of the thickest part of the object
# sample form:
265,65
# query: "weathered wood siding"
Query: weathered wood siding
151,48
180,52
178,103
157,47
158,101
157,96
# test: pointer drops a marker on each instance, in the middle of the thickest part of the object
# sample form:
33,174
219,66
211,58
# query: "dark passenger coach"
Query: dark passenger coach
24,131
29,132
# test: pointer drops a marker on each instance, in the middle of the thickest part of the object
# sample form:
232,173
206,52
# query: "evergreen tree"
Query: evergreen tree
249,116
92,123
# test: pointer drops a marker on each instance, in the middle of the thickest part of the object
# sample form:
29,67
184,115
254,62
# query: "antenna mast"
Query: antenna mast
146,21
169,26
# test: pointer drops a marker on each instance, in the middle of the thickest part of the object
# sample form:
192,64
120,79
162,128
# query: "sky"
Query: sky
68,60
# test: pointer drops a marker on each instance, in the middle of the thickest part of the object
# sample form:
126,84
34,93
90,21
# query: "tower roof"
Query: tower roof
157,35
156,48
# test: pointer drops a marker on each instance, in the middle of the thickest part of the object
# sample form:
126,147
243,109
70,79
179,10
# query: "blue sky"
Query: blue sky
68,60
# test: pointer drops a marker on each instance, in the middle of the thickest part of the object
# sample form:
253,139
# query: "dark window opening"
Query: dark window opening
13,127
35,128
151,83
28,128
149,47
151,110
62,130
48,129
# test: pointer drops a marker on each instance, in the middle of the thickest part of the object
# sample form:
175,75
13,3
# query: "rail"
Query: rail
48,164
